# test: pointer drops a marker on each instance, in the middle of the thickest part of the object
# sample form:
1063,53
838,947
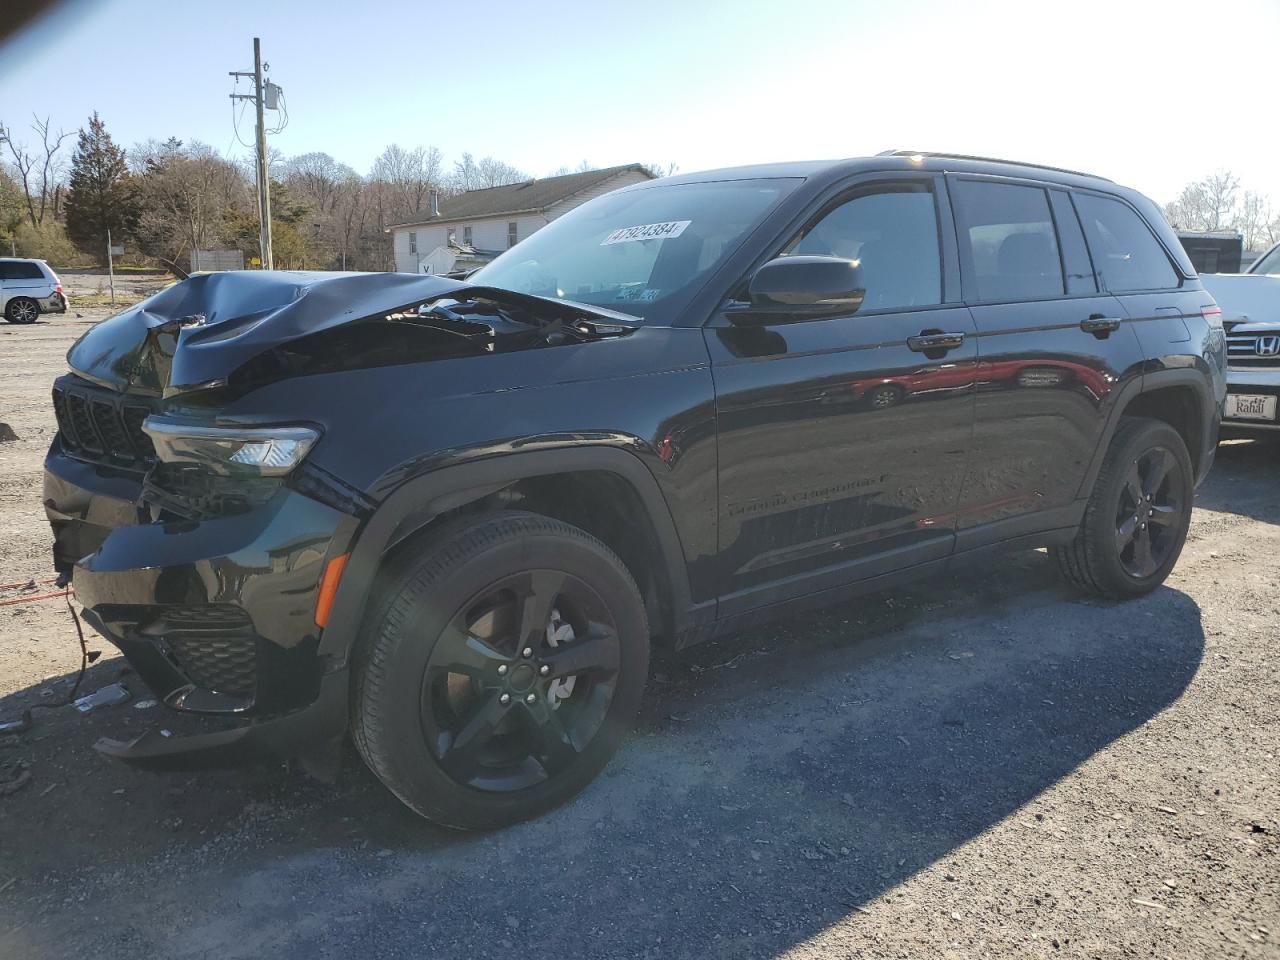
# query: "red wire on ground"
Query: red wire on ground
31,599
23,583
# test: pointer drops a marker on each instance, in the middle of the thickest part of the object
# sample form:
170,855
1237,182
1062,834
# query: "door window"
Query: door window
1126,253
1011,250
893,231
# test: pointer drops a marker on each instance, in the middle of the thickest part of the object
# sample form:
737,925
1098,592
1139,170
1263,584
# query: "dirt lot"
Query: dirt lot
985,766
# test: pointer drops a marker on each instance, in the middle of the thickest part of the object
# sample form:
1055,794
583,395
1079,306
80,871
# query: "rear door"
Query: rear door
1134,266
842,440
1052,348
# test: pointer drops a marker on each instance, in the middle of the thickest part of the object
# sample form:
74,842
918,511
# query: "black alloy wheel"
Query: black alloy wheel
1149,513
501,663
1137,516
520,681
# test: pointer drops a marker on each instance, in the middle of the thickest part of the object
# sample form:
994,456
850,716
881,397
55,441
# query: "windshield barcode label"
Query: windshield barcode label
648,231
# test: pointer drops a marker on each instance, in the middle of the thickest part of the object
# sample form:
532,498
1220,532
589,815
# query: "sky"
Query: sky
1153,95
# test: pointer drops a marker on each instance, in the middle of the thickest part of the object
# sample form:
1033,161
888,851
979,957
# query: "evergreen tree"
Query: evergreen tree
102,195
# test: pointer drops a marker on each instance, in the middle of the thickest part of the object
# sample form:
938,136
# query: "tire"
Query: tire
442,647
22,310
1143,493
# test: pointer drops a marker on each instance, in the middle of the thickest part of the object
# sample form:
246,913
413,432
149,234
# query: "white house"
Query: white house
472,228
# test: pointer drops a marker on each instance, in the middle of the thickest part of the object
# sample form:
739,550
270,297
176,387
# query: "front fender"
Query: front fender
418,501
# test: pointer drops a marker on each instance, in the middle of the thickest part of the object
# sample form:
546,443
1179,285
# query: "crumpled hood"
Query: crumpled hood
195,333
1255,297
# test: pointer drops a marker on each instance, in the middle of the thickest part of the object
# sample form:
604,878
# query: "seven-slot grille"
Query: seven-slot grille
102,425
1253,349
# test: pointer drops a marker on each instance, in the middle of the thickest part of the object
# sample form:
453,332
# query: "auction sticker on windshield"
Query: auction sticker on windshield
648,231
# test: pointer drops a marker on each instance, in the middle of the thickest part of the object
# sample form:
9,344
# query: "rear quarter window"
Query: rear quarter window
1126,254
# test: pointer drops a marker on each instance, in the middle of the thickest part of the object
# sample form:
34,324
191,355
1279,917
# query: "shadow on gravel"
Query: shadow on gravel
1245,480
777,782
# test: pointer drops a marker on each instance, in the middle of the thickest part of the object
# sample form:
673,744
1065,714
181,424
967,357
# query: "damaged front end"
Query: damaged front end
198,530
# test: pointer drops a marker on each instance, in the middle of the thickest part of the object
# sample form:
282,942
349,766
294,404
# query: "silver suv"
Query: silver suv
29,288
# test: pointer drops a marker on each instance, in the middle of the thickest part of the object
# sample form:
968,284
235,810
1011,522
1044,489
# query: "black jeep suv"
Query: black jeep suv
450,517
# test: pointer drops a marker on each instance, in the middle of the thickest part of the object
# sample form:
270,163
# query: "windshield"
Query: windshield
1269,263
641,252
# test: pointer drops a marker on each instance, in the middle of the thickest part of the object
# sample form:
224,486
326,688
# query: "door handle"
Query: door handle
927,342
1097,323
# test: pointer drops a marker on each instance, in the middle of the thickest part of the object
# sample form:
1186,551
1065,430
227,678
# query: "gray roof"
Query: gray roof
529,196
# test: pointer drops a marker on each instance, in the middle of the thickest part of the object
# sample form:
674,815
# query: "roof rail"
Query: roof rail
961,156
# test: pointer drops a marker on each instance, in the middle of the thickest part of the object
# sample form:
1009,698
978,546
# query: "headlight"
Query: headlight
244,451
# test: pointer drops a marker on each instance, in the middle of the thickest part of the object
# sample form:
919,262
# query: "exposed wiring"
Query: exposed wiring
235,121
284,113
86,657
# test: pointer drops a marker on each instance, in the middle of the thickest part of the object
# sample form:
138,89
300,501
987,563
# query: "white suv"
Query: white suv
1250,304
29,288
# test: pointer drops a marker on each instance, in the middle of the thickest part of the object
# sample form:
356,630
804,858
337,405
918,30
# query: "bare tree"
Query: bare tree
472,174
189,197
1220,198
1214,203
350,214
1256,220
39,171
409,177
316,178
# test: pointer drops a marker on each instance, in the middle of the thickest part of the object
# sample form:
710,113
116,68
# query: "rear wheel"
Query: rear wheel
500,671
22,310
1136,521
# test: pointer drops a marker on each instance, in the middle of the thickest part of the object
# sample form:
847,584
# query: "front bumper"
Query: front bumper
217,616
1254,381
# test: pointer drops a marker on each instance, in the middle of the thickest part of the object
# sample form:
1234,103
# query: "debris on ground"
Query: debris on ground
14,775
108,696
21,725
145,704
6,433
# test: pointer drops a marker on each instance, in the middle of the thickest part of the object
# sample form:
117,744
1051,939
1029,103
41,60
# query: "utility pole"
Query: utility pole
264,184
111,269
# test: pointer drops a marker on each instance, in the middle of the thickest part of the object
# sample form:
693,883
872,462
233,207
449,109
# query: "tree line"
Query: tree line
1217,203
164,199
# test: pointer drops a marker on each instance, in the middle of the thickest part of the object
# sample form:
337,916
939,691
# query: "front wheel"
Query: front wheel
1137,517
500,670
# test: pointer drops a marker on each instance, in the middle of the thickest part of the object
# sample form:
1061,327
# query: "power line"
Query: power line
235,123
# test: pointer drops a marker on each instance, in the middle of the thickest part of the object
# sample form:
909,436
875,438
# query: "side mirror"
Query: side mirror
806,286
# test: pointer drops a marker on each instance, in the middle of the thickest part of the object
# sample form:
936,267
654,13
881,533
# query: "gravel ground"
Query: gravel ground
980,766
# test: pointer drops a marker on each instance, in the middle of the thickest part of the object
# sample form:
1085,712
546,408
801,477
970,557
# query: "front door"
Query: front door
842,441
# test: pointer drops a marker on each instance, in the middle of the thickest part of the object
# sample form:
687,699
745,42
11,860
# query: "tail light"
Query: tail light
1212,315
